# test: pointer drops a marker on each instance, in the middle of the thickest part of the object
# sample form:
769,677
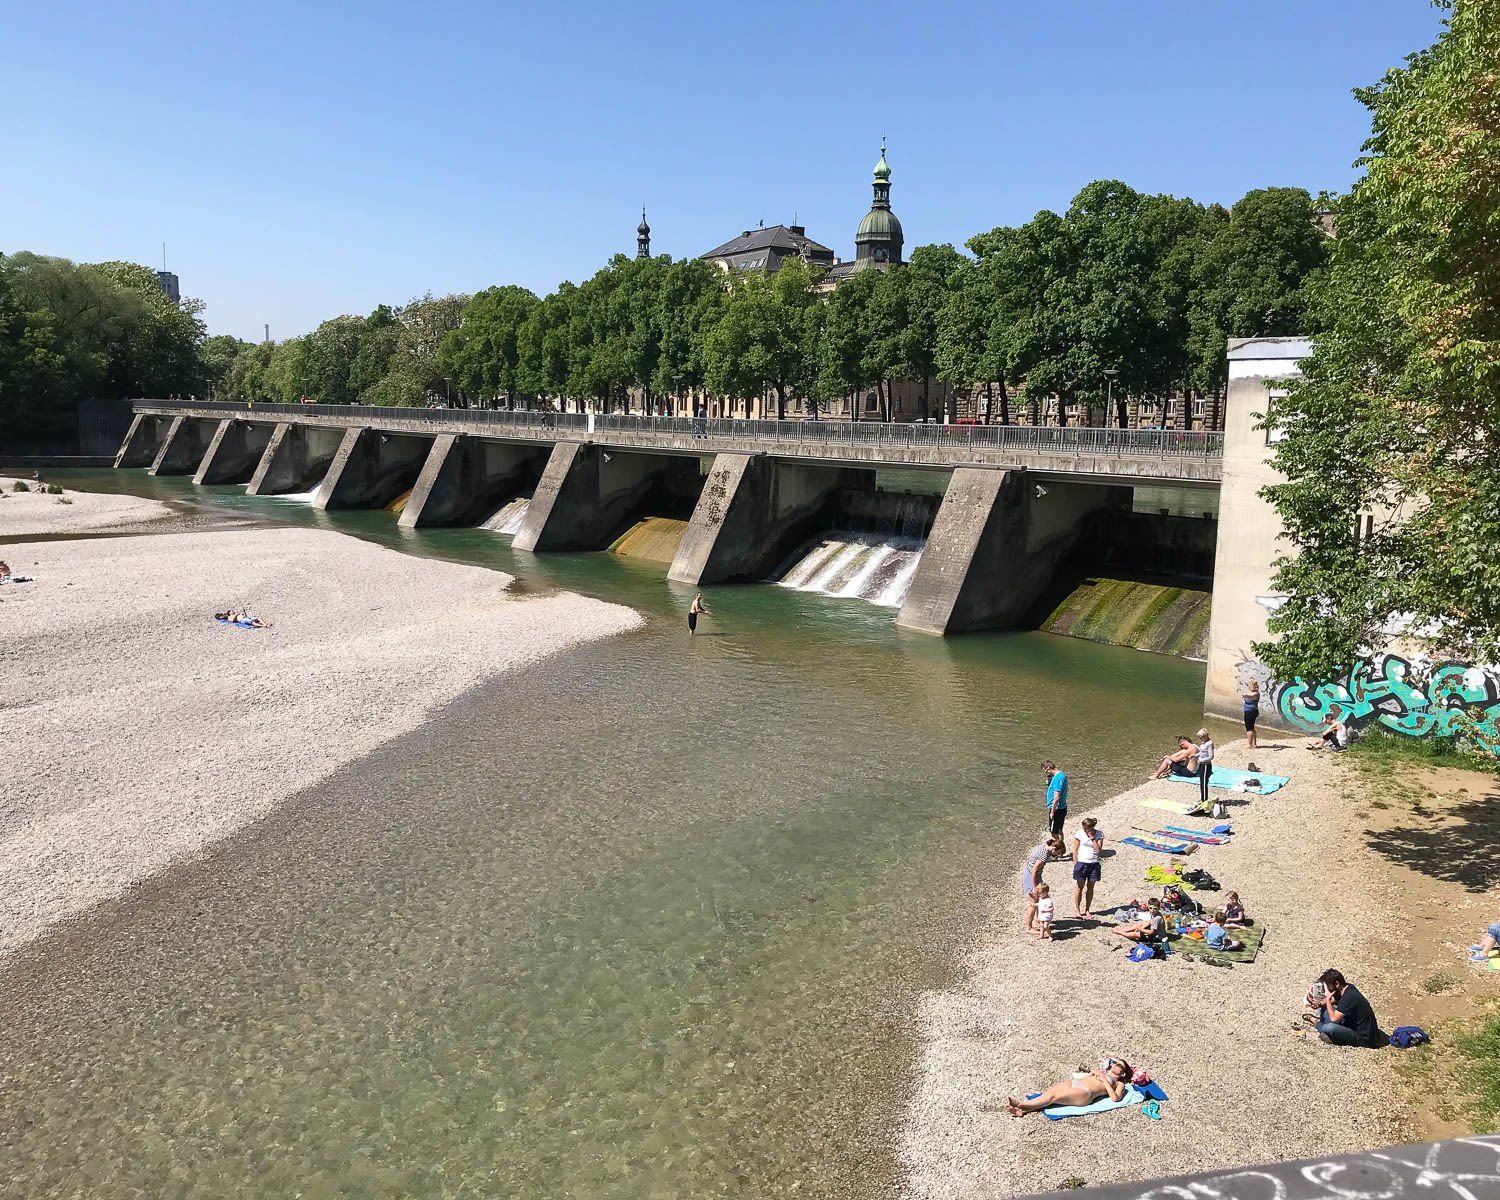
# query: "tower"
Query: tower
643,237
878,241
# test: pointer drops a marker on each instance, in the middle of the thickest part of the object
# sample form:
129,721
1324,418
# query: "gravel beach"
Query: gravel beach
27,514
1243,1088
139,730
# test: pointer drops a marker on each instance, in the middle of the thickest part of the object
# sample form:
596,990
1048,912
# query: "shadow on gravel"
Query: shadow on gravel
1456,846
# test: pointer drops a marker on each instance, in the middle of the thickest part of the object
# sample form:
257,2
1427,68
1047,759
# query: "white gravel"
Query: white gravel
138,730
26,514
1243,1089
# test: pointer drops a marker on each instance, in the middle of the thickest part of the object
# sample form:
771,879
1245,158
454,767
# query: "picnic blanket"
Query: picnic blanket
1157,847
1192,948
1180,809
1227,777
1134,1094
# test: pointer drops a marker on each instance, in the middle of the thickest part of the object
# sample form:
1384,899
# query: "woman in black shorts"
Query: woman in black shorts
1252,711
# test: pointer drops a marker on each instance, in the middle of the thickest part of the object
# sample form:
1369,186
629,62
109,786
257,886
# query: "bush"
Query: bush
18,486
54,489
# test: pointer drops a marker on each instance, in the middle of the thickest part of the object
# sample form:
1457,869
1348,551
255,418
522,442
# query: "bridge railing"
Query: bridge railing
1154,443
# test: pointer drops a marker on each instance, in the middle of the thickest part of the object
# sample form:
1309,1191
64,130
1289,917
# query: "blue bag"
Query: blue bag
1142,953
1406,1036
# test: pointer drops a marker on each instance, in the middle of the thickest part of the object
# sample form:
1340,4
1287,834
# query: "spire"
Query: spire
643,237
882,168
879,239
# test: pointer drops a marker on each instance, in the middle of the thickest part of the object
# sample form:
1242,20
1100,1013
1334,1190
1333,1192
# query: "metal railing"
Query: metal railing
1036,439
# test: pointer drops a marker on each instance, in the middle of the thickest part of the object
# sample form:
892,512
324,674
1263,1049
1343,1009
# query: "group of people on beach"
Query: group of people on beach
1193,758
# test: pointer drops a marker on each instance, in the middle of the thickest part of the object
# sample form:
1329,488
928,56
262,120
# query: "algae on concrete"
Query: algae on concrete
1147,616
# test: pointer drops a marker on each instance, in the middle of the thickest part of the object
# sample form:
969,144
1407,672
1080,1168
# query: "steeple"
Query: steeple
879,239
643,237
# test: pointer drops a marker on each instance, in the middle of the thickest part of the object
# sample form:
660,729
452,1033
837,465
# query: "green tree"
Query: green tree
690,301
1397,413
845,362
931,274
761,341
216,357
483,356
324,366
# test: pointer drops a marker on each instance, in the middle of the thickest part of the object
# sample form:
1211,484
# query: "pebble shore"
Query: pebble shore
30,513
1243,1088
139,730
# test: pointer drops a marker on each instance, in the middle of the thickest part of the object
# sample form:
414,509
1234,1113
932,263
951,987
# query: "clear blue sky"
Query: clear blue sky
305,161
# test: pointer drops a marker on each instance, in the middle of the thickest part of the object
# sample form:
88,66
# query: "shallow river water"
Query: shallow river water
648,920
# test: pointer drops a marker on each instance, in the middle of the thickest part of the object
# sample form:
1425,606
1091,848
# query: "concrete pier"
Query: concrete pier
371,469
183,446
995,547
233,453
751,513
142,441
295,458
587,494
465,478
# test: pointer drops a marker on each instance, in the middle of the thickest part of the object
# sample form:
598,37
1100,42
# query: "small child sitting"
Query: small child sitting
1043,913
1217,937
1234,912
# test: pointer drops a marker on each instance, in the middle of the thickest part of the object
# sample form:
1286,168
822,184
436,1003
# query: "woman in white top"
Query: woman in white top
1087,843
1205,765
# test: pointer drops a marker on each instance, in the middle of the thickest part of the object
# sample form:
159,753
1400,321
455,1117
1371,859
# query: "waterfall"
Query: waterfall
862,566
508,519
306,497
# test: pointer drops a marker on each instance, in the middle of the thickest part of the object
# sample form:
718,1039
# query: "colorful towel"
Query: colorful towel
1227,777
1161,877
1155,846
1187,835
1172,806
1134,1094
1252,937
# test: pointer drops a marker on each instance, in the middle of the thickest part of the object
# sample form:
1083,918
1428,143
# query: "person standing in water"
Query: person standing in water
694,610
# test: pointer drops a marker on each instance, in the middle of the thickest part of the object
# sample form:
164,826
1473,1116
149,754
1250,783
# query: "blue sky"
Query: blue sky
302,161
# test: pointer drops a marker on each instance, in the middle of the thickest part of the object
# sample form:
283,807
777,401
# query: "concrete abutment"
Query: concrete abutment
295,458
370,469
465,478
233,452
183,446
142,441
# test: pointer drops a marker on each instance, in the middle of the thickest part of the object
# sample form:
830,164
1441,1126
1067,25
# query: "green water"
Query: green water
647,920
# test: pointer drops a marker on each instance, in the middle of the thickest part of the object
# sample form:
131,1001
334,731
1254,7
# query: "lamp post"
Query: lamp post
1109,403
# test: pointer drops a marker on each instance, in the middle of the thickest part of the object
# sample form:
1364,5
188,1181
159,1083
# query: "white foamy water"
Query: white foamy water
306,497
508,519
860,566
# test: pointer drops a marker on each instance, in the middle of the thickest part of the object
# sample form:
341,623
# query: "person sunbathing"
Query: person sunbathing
1083,1089
1149,929
1184,761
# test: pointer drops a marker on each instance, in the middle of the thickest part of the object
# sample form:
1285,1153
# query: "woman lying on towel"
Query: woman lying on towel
1084,1088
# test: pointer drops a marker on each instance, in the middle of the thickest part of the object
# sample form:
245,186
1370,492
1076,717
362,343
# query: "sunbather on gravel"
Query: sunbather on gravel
1084,1088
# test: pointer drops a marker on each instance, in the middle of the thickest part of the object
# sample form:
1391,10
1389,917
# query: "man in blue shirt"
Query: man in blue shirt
1057,797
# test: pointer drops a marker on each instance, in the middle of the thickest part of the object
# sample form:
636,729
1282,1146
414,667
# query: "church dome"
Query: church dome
882,168
879,223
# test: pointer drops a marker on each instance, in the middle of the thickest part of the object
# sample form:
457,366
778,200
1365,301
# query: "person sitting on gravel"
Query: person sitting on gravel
1335,735
1183,761
1234,912
1083,1089
4,569
1346,1018
1148,929
1216,937
1486,946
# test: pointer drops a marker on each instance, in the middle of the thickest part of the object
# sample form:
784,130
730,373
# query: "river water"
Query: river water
648,920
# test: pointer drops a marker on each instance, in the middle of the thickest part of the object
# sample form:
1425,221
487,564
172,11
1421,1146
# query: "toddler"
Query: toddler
1043,913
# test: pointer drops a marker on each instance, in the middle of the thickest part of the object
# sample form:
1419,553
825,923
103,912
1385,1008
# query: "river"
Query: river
648,920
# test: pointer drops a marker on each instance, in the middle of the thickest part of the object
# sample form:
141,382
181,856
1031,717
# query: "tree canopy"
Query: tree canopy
1397,414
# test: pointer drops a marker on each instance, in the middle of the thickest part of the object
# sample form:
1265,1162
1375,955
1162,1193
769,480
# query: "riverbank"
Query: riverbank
140,731
1243,1087
34,514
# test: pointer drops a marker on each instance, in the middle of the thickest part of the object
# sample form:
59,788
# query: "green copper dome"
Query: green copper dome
882,168
879,223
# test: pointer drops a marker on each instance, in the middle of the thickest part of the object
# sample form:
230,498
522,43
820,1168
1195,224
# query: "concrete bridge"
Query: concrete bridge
1017,501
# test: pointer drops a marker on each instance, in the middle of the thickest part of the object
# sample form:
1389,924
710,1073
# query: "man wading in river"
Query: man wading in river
694,610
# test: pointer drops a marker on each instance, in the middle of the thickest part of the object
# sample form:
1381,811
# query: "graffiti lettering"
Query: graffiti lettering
1413,698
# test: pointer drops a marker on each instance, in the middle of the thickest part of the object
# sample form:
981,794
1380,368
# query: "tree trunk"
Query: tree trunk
780,402
1122,410
926,397
989,401
1004,403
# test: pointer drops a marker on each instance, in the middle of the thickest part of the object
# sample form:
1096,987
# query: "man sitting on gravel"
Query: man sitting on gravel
1182,761
1347,1018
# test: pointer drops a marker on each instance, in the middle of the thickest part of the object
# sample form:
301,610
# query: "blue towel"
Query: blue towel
1227,777
1155,846
1133,1095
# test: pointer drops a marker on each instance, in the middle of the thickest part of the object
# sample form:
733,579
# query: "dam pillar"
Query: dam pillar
295,458
751,511
182,448
994,547
233,452
142,441
464,477
587,494
370,469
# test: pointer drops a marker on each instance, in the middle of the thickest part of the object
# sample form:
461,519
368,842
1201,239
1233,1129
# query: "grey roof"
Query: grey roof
774,237
1241,349
843,270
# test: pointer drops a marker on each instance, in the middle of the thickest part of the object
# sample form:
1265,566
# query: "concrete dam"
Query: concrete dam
956,528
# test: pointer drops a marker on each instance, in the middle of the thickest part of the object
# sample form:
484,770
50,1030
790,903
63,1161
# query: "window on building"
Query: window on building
1275,433
898,404
1198,405
872,402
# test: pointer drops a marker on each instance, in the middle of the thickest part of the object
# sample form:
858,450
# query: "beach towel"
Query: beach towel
1191,835
1252,936
1134,1094
1227,777
236,624
1172,806
1156,846
1159,875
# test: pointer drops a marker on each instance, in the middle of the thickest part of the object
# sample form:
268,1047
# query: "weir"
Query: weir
587,495
183,446
370,469
233,453
463,477
295,459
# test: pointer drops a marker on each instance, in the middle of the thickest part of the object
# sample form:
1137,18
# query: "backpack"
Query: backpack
1406,1036
1201,880
1142,953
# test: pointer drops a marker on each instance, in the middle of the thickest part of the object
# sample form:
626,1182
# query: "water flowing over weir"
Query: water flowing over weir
862,566
509,517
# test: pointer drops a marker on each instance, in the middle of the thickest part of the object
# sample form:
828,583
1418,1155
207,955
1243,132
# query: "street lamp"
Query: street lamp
1109,403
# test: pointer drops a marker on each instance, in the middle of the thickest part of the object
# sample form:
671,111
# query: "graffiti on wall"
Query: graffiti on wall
1413,697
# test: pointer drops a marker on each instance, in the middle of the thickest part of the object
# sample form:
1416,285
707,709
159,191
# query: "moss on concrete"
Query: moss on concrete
1165,620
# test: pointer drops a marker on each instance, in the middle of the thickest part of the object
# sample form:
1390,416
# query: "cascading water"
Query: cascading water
508,519
864,566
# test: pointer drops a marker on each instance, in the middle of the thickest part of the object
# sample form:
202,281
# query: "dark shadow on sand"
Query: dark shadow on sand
1459,847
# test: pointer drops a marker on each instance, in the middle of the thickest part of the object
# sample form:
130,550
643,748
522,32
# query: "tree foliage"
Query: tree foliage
1397,414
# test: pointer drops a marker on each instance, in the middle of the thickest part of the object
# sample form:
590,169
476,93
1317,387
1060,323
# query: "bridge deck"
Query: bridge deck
1150,456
